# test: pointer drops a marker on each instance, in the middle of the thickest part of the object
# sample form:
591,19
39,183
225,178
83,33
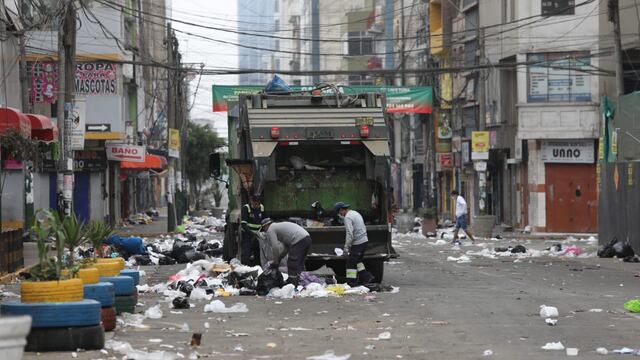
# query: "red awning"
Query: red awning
42,128
150,162
11,118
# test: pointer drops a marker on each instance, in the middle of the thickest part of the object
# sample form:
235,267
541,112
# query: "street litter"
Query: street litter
572,351
155,340
488,352
616,248
633,306
595,310
329,355
382,336
548,311
236,334
131,320
626,350
153,312
129,352
553,346
218,306
551,322
602,351
180,303
460,260
196,339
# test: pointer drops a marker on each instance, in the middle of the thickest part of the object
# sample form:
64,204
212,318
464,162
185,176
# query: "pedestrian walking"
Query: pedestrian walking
296,242
461,217
252,215
355,245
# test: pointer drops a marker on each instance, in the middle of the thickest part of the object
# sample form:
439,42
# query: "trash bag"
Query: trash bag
166,260
142,259
616,248
276,84
133,245
181,303
633,306
519,249
501,249
271,278
244,280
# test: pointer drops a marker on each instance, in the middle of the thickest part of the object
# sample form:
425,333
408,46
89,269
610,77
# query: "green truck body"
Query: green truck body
296,150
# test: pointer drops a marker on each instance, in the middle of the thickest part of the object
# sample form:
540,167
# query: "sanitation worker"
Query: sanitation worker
355,245
252,215
295,241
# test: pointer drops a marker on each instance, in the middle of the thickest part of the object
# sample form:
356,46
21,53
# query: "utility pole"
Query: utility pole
614,17
66,90
171,123
403,76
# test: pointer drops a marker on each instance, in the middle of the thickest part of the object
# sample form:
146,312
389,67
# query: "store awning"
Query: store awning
154,162
42,128
11,118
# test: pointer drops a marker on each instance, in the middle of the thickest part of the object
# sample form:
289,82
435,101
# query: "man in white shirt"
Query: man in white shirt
461,217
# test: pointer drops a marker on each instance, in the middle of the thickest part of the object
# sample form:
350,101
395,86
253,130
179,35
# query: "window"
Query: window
556,77
361,80
359,43
558,7
276,25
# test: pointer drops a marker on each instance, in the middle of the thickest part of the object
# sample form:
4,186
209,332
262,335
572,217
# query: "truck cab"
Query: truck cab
303,153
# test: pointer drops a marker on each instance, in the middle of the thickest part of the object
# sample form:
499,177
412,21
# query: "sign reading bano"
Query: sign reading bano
568,151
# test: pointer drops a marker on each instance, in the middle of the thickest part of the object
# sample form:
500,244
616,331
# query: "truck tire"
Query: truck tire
53,315
118,260
125,304
89,275
102,292
376,268
108,268
229,245
108,318
66,339
51,291
134,274
122,285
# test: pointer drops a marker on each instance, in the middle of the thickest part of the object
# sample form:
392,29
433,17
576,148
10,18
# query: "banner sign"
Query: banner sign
568,151
92,78
86,160
78,120
126,152
174,143
418,100
479,145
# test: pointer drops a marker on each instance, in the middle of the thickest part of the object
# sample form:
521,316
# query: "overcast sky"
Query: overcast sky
219,13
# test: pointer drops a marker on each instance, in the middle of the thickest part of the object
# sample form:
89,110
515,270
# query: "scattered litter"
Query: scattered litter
553,346
382,336
624,350
572,351
143,288
206,325
602,351
200,294
196,339
185,327
153,312
329,355
74,354
181,303
595,310
551,322
439,322
271,345
131,320
218,306
236,334
238,348
460,260
129,352
633,306
339,251
548,311
286,292
155,340
394,290
487,352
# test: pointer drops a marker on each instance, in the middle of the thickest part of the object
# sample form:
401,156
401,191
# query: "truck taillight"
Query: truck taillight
275,132
364,131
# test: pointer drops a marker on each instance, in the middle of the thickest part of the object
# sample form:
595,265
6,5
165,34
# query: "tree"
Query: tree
201,141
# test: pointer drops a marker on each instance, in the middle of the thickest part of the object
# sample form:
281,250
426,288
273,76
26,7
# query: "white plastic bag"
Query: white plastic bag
548,311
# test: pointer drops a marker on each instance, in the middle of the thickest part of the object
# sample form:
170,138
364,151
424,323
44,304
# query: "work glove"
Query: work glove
245,227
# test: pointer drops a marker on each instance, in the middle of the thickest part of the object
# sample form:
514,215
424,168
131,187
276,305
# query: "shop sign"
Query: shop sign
125,152
480,165
174,143
86,160
568,151
480,145
444,161
77,120
465,152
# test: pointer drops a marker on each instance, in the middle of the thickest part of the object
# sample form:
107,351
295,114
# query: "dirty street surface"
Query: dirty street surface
463,302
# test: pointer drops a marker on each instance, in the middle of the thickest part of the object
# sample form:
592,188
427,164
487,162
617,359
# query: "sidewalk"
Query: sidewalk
544,236
157,227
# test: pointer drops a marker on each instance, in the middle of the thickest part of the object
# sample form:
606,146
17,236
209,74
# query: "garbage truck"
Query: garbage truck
302,153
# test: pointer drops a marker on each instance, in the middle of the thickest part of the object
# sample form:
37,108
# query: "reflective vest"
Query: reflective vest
254,217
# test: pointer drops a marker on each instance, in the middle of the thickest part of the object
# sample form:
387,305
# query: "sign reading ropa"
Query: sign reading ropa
417,100
125,152
92,78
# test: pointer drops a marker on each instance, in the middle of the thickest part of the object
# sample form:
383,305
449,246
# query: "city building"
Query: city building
257,17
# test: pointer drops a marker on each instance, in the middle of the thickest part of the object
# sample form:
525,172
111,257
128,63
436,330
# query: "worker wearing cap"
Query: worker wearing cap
252,215
296,243
355,245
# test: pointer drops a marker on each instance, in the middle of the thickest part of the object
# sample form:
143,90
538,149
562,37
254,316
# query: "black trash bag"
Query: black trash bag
519,249
501,249
192,238
142,259
247,292
179,248
186,288
616,248
166,260
271,278
246,280
189,255
181,303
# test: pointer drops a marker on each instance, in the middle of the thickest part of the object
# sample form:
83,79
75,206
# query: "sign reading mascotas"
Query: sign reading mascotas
125,152
568,151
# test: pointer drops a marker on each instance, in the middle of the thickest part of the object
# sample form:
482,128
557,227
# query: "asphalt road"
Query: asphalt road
444,310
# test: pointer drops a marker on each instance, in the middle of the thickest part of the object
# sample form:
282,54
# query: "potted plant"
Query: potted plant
98,232
429,222
48,282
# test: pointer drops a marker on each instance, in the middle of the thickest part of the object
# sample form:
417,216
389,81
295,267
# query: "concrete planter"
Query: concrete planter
13,334
482,225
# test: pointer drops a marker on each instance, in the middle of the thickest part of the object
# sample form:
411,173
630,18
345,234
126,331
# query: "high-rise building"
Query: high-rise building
259,17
